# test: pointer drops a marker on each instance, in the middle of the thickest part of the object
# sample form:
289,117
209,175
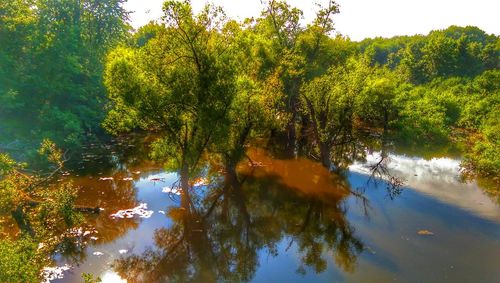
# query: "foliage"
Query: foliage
181,82
188,73
420,116
19,260
51,55
42,213
455,51
330,102
273,73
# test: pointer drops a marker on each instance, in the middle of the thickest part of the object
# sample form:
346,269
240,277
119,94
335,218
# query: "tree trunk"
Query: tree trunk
324,151
386,120
291,135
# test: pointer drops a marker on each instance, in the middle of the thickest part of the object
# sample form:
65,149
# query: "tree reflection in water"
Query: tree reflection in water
220,230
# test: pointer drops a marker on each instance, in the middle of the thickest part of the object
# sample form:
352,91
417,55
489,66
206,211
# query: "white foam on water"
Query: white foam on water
80,232
52,273
140,211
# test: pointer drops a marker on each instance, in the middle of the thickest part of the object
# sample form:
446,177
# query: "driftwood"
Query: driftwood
86,209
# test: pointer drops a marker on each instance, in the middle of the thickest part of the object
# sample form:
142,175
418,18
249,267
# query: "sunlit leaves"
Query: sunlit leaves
181,83
283,22
19,261
54,155
6,164
42,212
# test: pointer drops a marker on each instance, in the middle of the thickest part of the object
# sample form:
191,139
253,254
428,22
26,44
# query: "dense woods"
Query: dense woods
73,72
51,65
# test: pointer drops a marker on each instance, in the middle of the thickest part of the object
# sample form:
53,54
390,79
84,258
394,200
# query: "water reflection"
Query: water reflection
219,231
436,177
281,217
106,176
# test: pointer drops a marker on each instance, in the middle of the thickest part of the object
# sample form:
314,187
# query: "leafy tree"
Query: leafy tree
481,116
376,103
330,103
420,117
281,24
53,51
181,83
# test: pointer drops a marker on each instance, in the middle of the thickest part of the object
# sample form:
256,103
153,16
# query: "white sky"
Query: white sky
359,19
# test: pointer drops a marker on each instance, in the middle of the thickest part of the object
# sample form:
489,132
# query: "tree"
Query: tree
330,103
56,86
180,83
281,23
375,104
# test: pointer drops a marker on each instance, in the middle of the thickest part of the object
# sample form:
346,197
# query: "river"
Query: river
283,220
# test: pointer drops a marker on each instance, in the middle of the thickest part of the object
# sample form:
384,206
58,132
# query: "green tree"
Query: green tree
330,103
58,47
375,104
180,83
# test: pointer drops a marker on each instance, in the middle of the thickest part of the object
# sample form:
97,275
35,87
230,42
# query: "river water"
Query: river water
283,220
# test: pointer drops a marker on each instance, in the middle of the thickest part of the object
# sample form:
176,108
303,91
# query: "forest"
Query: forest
205,86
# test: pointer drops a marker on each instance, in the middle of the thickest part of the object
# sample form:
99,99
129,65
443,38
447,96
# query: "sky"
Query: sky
360,19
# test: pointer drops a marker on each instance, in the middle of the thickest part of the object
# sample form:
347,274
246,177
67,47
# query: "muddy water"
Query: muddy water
286,220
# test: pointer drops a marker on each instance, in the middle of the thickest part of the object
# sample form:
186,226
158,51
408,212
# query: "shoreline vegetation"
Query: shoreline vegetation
74,73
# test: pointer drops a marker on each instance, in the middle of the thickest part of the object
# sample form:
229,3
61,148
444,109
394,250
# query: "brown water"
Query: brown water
285,220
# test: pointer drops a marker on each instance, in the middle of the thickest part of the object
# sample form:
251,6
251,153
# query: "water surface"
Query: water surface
287,220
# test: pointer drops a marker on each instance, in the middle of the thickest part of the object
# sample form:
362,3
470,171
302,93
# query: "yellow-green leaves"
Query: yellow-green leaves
6,164
53,154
